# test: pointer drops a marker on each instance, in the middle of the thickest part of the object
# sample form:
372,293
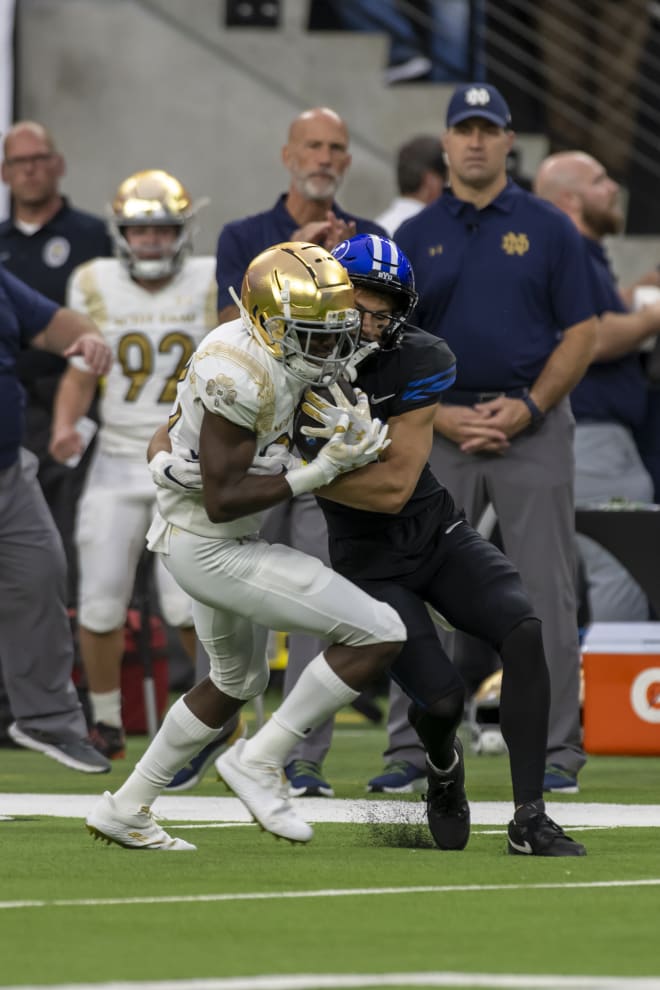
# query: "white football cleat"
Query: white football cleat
264,793
137,831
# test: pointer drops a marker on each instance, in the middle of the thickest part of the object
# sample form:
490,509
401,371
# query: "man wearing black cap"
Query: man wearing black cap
503,278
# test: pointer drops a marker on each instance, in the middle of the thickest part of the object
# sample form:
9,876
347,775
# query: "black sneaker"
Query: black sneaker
532,833
72,752
109,740
447,807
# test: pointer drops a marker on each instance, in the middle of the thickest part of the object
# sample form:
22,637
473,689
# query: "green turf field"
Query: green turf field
368,904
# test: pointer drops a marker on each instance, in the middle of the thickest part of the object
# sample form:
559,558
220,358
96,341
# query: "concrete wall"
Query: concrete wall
126,84
129,84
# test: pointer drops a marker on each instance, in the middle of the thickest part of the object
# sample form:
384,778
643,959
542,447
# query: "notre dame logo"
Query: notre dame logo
515,243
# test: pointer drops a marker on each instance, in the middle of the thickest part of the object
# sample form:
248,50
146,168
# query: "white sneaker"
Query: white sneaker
139,831
264,793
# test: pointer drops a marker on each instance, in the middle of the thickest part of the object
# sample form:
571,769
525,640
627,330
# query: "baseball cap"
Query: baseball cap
478,100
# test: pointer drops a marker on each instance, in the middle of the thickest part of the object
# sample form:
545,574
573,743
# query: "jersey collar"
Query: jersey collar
504,202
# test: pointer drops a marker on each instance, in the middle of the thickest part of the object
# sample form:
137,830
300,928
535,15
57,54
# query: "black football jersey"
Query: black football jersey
409,376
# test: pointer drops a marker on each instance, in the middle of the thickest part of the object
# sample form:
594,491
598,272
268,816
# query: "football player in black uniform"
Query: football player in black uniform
394,530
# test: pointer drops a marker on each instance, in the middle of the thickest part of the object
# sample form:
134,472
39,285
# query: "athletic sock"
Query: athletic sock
106,707
317,695
180,737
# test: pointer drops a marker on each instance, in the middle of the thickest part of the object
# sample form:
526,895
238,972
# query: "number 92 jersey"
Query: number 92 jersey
152,335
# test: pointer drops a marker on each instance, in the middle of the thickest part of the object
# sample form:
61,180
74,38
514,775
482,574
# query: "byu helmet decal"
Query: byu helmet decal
378,264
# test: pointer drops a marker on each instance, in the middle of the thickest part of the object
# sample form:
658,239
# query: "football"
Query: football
308,447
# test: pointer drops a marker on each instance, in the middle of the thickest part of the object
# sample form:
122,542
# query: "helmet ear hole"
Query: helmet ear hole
378,264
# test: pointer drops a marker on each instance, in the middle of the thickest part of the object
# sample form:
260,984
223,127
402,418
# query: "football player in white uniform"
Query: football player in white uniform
153,304
298,326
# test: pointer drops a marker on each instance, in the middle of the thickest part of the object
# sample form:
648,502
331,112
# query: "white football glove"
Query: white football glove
276,458
328,414
175,473
337,456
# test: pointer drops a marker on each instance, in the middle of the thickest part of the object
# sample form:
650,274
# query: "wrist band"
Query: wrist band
535,412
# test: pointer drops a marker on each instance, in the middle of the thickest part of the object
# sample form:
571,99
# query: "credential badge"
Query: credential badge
56,252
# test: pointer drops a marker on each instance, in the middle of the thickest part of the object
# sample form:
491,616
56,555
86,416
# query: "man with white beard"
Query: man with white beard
316,156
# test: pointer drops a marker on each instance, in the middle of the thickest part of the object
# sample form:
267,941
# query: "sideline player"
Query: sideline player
297,326
153,304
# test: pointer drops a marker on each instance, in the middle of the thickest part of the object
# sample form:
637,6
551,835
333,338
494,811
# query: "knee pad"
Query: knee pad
240,684
101,615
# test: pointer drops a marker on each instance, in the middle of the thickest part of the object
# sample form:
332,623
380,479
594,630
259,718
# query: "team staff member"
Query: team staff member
41,243
36,647
503,278
316,156
611,401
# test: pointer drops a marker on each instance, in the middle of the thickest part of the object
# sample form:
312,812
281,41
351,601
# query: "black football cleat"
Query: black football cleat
532,833
447,808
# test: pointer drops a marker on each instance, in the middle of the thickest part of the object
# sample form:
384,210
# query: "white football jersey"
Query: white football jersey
232,375
153,335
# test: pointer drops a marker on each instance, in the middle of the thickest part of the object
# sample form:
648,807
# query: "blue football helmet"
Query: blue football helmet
376,263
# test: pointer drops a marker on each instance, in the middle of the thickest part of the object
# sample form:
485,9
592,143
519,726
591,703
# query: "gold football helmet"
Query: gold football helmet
152,198
298,302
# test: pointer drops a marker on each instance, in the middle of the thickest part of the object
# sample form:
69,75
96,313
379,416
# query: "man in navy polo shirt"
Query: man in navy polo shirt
41,243
317,158
610,402
36,647
503,278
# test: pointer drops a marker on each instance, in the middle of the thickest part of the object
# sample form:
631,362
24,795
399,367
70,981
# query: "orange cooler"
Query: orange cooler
621,665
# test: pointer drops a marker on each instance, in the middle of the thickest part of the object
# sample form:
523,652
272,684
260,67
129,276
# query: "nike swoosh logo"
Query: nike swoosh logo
381,398
525,848
168,474
453,526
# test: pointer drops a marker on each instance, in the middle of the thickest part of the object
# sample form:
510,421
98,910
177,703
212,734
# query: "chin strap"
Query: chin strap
363,352
245,316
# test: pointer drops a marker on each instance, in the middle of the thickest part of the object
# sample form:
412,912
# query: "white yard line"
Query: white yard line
367,812
346,981
455,888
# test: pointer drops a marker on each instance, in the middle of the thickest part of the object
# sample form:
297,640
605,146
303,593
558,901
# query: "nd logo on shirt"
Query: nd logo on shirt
511,244
515,243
